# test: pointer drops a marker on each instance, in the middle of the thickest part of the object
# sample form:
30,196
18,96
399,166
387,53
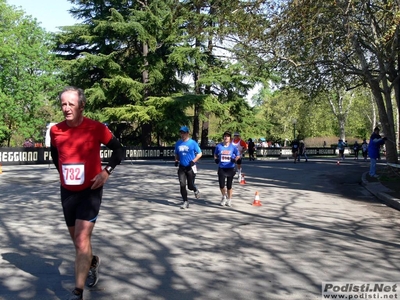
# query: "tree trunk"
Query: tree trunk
196,123
385,111
204,131
337,107
147,127
196,109
373,121
396,87
10,135
391,151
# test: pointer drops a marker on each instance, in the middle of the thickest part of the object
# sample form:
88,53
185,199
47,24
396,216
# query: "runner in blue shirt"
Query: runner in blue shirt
187,153
226,154
374,146
341,145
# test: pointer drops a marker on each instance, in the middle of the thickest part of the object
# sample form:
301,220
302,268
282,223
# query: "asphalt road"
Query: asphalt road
316,223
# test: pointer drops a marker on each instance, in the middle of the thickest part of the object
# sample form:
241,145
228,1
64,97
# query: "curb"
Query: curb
380,191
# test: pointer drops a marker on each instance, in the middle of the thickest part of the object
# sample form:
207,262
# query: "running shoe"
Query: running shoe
75,295
93,276
229,203
185,204
223,200
197,194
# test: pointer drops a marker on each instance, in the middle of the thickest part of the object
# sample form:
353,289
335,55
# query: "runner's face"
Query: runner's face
184,135
227,138
70,106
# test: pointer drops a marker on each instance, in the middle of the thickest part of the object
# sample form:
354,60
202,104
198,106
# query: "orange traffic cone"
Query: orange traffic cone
242,180
257,201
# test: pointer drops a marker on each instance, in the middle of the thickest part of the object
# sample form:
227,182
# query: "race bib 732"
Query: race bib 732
73,174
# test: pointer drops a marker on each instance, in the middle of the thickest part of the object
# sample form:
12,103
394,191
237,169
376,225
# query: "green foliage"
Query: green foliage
327,48
127,56
168,63
28,78
119,55
315,117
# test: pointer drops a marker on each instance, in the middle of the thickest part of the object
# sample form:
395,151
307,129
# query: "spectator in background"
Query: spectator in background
356,148
28,143
302,151
374,146
252,149
242,147
364,149
295,149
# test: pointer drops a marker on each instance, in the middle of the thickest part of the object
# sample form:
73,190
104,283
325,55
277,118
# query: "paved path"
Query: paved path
316,223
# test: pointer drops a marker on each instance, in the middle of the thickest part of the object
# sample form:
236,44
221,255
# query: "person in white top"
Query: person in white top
242,147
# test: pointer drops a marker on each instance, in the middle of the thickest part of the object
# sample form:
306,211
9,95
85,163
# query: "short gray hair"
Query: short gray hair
81,94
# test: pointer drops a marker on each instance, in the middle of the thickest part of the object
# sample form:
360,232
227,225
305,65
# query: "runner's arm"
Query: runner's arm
237,153
54,155
244,146
198,156
117,154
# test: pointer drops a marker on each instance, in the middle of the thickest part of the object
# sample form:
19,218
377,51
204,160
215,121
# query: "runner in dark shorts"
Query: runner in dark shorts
82,205
226,155
75,149
295,149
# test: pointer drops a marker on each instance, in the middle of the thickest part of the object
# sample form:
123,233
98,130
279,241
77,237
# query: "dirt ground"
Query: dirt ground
390,178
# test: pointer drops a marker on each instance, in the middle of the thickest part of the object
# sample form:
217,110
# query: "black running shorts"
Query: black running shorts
227,173
82,205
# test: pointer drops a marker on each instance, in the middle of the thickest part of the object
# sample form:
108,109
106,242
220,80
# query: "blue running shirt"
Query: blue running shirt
225,154
186,151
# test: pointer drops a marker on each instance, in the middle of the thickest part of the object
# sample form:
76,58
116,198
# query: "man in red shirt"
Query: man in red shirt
242,147
75,149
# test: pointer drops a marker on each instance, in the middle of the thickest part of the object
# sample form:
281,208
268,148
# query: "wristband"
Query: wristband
109,170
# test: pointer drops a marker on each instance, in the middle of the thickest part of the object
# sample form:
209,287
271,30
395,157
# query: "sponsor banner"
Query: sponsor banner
17,156
270,152
36,155
360,290
39,155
